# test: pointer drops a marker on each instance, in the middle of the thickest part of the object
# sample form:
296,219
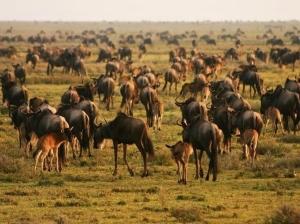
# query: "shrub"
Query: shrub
285,214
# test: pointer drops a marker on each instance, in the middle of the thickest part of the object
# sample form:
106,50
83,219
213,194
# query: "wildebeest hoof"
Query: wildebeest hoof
131,172
90,155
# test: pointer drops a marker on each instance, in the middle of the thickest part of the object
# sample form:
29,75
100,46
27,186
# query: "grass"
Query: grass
86,191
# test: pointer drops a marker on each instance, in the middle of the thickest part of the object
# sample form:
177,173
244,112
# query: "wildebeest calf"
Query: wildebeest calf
158,111
272,114
249,139
181,152
49,144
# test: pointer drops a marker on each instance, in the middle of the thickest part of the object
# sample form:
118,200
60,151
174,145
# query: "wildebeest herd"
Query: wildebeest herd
220,113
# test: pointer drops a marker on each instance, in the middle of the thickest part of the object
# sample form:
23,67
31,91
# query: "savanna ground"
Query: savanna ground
86,192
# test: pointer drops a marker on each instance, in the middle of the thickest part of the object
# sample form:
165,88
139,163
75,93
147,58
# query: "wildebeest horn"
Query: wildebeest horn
96,125
178,103
177,122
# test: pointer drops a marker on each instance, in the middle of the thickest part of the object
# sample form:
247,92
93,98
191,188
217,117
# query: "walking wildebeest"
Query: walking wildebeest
130,94
33,58
148,97
14,94
126,130
158,111
117,67
249,140
181,152
20,72
289,58
272,114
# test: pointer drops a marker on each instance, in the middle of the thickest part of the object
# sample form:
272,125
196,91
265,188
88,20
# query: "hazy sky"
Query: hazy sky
150,10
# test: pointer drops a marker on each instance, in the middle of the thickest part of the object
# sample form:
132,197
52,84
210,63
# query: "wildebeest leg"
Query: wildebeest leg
142,149
184,171
170,88
178,170
266,127
36,161
116,158
197,163
125,159
200,162
55,154
244,89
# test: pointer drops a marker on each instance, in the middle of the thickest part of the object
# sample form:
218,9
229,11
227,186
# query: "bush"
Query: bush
187,214
285,215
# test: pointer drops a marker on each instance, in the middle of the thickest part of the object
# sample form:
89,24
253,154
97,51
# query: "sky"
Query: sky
149,10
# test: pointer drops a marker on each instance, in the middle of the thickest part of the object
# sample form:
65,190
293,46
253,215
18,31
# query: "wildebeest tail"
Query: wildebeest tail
148,144
86,131
166,80
150,106
297,109
214,154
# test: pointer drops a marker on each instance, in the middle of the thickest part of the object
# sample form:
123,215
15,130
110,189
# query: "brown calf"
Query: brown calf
249,139
272,114
49,144
181,152
158,111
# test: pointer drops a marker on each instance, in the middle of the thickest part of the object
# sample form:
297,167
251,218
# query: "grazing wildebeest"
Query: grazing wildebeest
80,123
20,72
211,42
14,94
87,41
158,112
190,109
285,101
114,67
289,58
201,135
51,142
33,58
172,76
248,76
272,114
231,54
292,85
172,41
70,97
148,97
105,85
130,94
124,52
261,55
181,152
104,55
126,130
191,87
249,140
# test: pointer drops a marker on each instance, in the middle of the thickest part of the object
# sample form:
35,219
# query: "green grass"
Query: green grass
86,192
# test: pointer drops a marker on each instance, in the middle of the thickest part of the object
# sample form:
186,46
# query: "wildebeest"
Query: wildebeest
261,55
148,97
20,72
248,76
49,142
88,41
56,62
274,42
80,123
272,114
181,152
285,101
104,55
249,140
117,67
126,130
292,85
172,41
201,135
251,58
289,58
158,111
70,97
148,41
190,109
7,76
130,94
124,52
221,115
105,85
245,119
211,42
231,54
14,94
86,90
172,76
33,58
